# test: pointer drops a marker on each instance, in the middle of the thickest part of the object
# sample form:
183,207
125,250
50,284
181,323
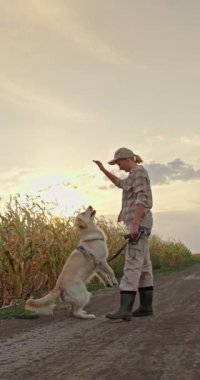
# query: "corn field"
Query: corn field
34,245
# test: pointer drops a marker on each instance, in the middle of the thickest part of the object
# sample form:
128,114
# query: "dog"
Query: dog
88,259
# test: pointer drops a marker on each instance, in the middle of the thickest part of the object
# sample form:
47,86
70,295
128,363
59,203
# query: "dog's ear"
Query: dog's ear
81,224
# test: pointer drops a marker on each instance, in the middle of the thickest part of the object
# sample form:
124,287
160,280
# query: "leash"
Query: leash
129,240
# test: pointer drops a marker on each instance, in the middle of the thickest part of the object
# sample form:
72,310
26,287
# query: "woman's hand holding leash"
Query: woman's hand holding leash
135,231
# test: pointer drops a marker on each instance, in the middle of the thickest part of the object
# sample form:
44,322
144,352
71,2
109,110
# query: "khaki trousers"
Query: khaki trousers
137,266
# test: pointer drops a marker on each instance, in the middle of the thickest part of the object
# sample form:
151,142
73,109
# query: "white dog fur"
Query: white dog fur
78,269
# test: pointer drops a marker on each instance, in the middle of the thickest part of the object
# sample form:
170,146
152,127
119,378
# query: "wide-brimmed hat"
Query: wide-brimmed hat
121,153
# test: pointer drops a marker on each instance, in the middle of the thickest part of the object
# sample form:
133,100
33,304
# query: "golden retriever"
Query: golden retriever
88,259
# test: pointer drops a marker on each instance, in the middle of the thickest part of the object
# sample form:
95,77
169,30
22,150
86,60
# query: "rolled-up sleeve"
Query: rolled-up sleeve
119,183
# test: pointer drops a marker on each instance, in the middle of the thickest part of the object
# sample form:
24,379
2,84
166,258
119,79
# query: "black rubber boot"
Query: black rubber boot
126,305
146,300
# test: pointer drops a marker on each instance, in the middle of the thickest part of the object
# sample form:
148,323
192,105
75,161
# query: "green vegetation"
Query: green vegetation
176,267
17,312
34,245
166,254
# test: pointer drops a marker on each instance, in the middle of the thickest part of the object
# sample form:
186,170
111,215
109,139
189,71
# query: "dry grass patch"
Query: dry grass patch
34,245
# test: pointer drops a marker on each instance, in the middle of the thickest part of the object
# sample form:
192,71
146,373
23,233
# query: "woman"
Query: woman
135,213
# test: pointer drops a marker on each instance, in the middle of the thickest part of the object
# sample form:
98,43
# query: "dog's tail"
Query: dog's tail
44,305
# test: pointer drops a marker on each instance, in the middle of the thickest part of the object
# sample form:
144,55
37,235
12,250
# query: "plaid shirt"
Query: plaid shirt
136,190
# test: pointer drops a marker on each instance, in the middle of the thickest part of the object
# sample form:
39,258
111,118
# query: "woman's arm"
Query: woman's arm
108,174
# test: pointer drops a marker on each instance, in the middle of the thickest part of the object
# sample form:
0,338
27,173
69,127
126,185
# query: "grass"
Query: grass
17,312
196,257
34,245
178,267
95,287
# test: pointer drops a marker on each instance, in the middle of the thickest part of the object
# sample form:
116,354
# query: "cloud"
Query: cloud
65,21
103,187
23,96
193,140
12,178
162,174
72,27
176,170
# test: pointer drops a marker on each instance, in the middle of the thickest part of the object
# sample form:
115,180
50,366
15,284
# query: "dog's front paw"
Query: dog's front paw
115,283
90,316
112,283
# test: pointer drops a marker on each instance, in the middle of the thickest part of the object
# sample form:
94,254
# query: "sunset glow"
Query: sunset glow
81,79
58,190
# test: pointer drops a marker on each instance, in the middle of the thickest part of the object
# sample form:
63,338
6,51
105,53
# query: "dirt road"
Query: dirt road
165,346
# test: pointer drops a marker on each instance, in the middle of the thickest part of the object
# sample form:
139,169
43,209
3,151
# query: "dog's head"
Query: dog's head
85,218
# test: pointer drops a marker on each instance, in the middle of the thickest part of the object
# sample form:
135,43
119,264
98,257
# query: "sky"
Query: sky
81,78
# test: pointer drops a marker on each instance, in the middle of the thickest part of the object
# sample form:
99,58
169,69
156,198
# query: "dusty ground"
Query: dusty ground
163,347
